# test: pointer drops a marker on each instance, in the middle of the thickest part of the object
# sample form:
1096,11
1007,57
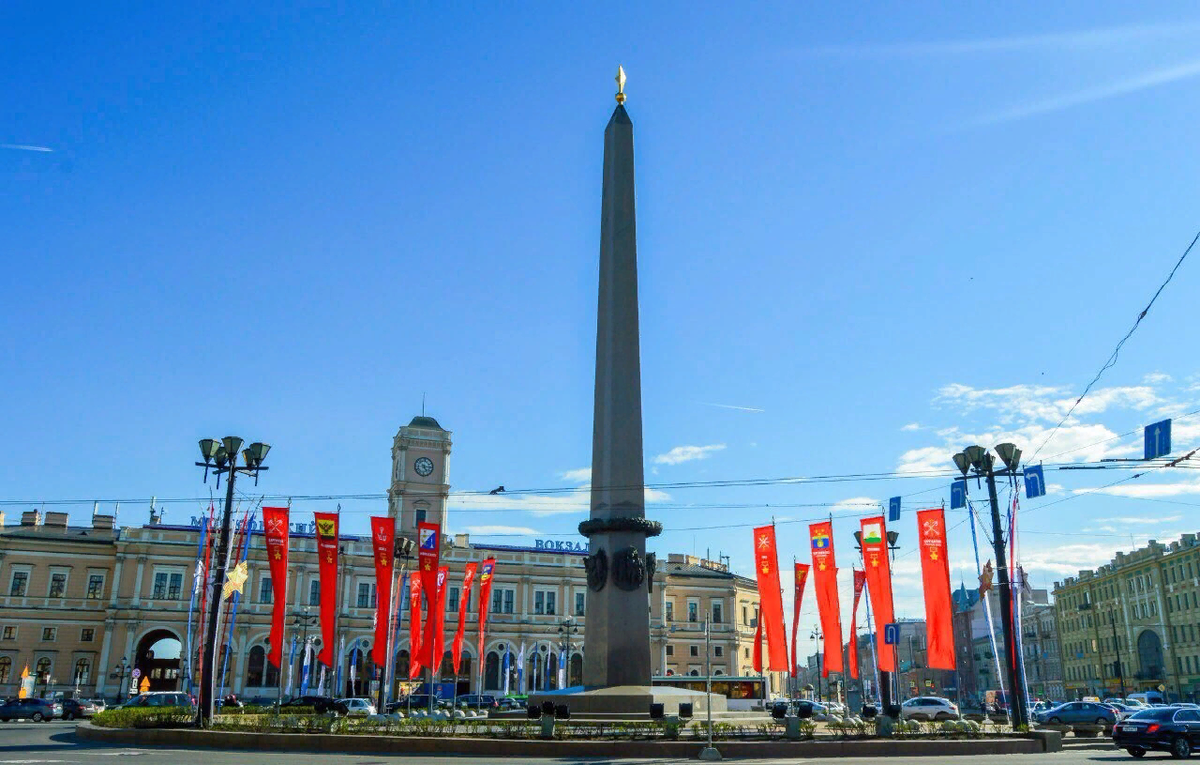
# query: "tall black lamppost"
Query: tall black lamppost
889,691
222,457
977,462
120,671
816,638
568,631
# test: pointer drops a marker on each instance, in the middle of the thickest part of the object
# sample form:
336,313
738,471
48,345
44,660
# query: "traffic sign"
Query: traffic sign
893,509
958,495
891,634
1158,439
145,686
137,673
1035,482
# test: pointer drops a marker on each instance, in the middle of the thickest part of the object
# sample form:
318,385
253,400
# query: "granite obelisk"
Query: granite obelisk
617,635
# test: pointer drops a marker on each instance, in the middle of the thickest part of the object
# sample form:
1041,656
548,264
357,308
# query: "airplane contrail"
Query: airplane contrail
731,406
24,147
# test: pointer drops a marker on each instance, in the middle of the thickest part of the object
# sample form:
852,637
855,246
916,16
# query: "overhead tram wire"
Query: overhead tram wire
1112,359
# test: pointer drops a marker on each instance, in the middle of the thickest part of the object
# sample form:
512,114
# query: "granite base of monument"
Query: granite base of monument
633,700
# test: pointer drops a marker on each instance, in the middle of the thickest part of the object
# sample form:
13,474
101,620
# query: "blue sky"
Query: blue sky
867,238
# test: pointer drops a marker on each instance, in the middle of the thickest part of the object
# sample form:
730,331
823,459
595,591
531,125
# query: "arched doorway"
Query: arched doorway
400,672
491,672
359,670
575,676
157,657
1150,655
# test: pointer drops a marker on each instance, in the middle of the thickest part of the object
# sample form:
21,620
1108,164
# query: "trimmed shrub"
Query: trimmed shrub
146,717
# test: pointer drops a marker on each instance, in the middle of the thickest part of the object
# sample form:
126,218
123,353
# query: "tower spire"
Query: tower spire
620,84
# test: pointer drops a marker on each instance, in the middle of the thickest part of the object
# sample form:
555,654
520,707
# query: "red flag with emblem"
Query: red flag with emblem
327,565
758,633
801,578
414,627
275,535
766,569
463,601
487,572
879,584
935,571
825,587
437,622
429,548
860,578
383,543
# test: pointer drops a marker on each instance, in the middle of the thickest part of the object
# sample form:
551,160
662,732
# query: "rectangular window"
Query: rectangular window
10,633
718,615
364,595
539,602
175,586
49,633
452,600
86,635
95,589
694,650
160,586
580,604
502,601
669,611
20,582
314,592
693,611
670,650
718,651
265,591
58,585
551,609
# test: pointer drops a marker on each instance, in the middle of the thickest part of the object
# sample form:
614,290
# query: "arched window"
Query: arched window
491,672
447,669
401,667
271,676
5,669
42,670
575,675
83,668
552,671
255,668
694,673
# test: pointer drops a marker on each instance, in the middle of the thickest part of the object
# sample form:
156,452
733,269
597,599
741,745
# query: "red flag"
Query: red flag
860,578
437,622
327,568
487,572
758,644
879,584
414,627
383,542
463,601
429,548
825,585
935,571
766,566
275,534
801,578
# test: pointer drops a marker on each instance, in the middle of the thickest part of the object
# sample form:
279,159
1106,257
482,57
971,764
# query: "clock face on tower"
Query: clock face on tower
423,466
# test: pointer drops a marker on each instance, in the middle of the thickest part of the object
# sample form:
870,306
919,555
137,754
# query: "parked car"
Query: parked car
356,707
1161,729
320,704
810,708
478,701
37,710
1078,712
159,699
508,702
259,701
928,708
416,701
99,704
73,708
1122,709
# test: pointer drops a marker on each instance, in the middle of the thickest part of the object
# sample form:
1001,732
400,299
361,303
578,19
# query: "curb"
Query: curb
355,744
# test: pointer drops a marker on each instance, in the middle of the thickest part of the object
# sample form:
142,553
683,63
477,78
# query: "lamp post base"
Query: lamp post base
710,754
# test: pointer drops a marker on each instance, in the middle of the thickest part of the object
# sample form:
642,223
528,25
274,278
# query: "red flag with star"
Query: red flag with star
824,571
935,573
464,601
383,544
860,578
275,535
429,549
801,578
327,569
879,585
757,656
414,627
766,569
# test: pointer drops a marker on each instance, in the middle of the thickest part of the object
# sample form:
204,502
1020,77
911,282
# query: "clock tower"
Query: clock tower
420,476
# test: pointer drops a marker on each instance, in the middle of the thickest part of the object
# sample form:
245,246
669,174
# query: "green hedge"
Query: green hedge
146,717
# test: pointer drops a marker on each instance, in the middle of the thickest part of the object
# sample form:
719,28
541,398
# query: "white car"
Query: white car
929,708
358,707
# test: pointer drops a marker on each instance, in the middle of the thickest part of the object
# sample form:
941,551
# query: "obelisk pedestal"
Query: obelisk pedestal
616,655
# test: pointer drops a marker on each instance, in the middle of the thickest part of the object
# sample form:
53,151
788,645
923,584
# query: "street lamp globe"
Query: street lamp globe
208,448
975,455
233,445
962,463
1010,455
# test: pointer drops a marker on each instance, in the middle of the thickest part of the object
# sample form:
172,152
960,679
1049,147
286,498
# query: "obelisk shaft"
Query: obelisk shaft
617,634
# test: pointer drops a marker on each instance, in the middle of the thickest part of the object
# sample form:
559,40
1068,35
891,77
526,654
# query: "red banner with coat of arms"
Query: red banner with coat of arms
487,572
801,578
383,543
429,549
327,569
463,602
860,578
935,573
825,584
275,535
879,585
766,569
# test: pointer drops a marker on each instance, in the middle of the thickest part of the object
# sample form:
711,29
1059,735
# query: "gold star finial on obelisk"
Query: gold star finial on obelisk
620,84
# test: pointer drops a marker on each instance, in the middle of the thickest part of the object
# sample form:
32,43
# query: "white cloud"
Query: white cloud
502,531
1157,378
1147,490
687,454
926,459
911,426
578,475
25,147
1135,519
856,505
576,501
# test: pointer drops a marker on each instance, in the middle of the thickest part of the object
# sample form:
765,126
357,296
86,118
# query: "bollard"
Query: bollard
793,727
547,726
884,725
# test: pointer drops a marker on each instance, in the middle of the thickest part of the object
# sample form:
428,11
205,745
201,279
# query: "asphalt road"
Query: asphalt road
51,743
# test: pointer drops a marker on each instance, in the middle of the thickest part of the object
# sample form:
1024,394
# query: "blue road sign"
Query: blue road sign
1035,482
958,495
893,509
1158,439
891,634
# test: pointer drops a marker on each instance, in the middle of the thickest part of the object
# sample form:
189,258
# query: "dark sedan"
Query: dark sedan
73,708
320,704
37,710
1161,729
1078,713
